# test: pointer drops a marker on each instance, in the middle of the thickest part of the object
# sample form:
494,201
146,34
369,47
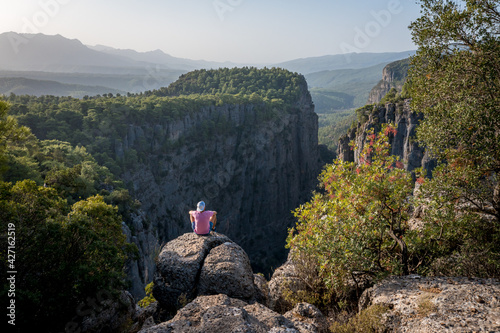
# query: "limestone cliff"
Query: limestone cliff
393,76
403,144
253,170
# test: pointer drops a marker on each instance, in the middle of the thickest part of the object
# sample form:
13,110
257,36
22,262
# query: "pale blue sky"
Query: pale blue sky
246,31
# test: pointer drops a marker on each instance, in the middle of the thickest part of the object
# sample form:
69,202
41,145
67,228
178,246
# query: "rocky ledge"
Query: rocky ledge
437,304
220,313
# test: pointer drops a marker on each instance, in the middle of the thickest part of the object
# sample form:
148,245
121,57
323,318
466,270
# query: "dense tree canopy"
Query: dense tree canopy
268,83
455,82
68,241
100,123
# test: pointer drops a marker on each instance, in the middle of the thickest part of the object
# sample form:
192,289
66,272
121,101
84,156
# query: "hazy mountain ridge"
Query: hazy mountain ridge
355,83
342,61
55,53
38,52
24,86
160,57
337,82
128,82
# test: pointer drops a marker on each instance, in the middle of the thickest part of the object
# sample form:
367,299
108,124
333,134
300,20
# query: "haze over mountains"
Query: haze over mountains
105,69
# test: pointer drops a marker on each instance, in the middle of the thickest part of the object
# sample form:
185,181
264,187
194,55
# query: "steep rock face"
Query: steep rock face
403,144
437,304
253,170
393,76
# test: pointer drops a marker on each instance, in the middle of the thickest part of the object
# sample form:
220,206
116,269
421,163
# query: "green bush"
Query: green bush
358,222
148,299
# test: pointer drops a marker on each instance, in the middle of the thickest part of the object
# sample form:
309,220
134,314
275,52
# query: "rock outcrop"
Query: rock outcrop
229,302
285,276
437,304
403,144
253,171
206,284
220,313
193,265
109,315
393,76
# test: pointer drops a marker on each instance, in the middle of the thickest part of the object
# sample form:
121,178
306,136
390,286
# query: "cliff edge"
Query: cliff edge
403,144
206,284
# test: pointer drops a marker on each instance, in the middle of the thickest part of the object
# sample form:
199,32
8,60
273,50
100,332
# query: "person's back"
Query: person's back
202,220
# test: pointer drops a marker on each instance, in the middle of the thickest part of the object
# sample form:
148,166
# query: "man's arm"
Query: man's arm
213,218
191,217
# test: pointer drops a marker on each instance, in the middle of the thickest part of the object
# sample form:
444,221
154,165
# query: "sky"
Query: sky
241,31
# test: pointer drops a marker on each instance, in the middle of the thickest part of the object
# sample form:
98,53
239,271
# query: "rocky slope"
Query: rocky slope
403,144
393,76
205,284
253,171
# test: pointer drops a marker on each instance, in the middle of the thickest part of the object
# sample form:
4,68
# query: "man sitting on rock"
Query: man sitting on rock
202,221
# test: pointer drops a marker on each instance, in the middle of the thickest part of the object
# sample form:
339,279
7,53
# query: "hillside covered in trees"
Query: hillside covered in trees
96,122
61,171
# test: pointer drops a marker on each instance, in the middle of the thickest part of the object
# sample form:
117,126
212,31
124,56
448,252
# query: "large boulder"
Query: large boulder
437,304
193,265
285,279
227,270
222,314
206,284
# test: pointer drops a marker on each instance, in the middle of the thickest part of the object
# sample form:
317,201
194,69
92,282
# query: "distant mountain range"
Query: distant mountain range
349,88
342,61
24,86
161,58
104,69
39,52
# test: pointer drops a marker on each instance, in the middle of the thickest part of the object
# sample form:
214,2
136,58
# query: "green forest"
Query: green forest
98,122
60,192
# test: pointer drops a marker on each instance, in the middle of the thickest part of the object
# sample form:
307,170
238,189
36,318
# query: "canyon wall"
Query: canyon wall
252,166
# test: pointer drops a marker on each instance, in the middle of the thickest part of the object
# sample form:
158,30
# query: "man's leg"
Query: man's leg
193,225
214,219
